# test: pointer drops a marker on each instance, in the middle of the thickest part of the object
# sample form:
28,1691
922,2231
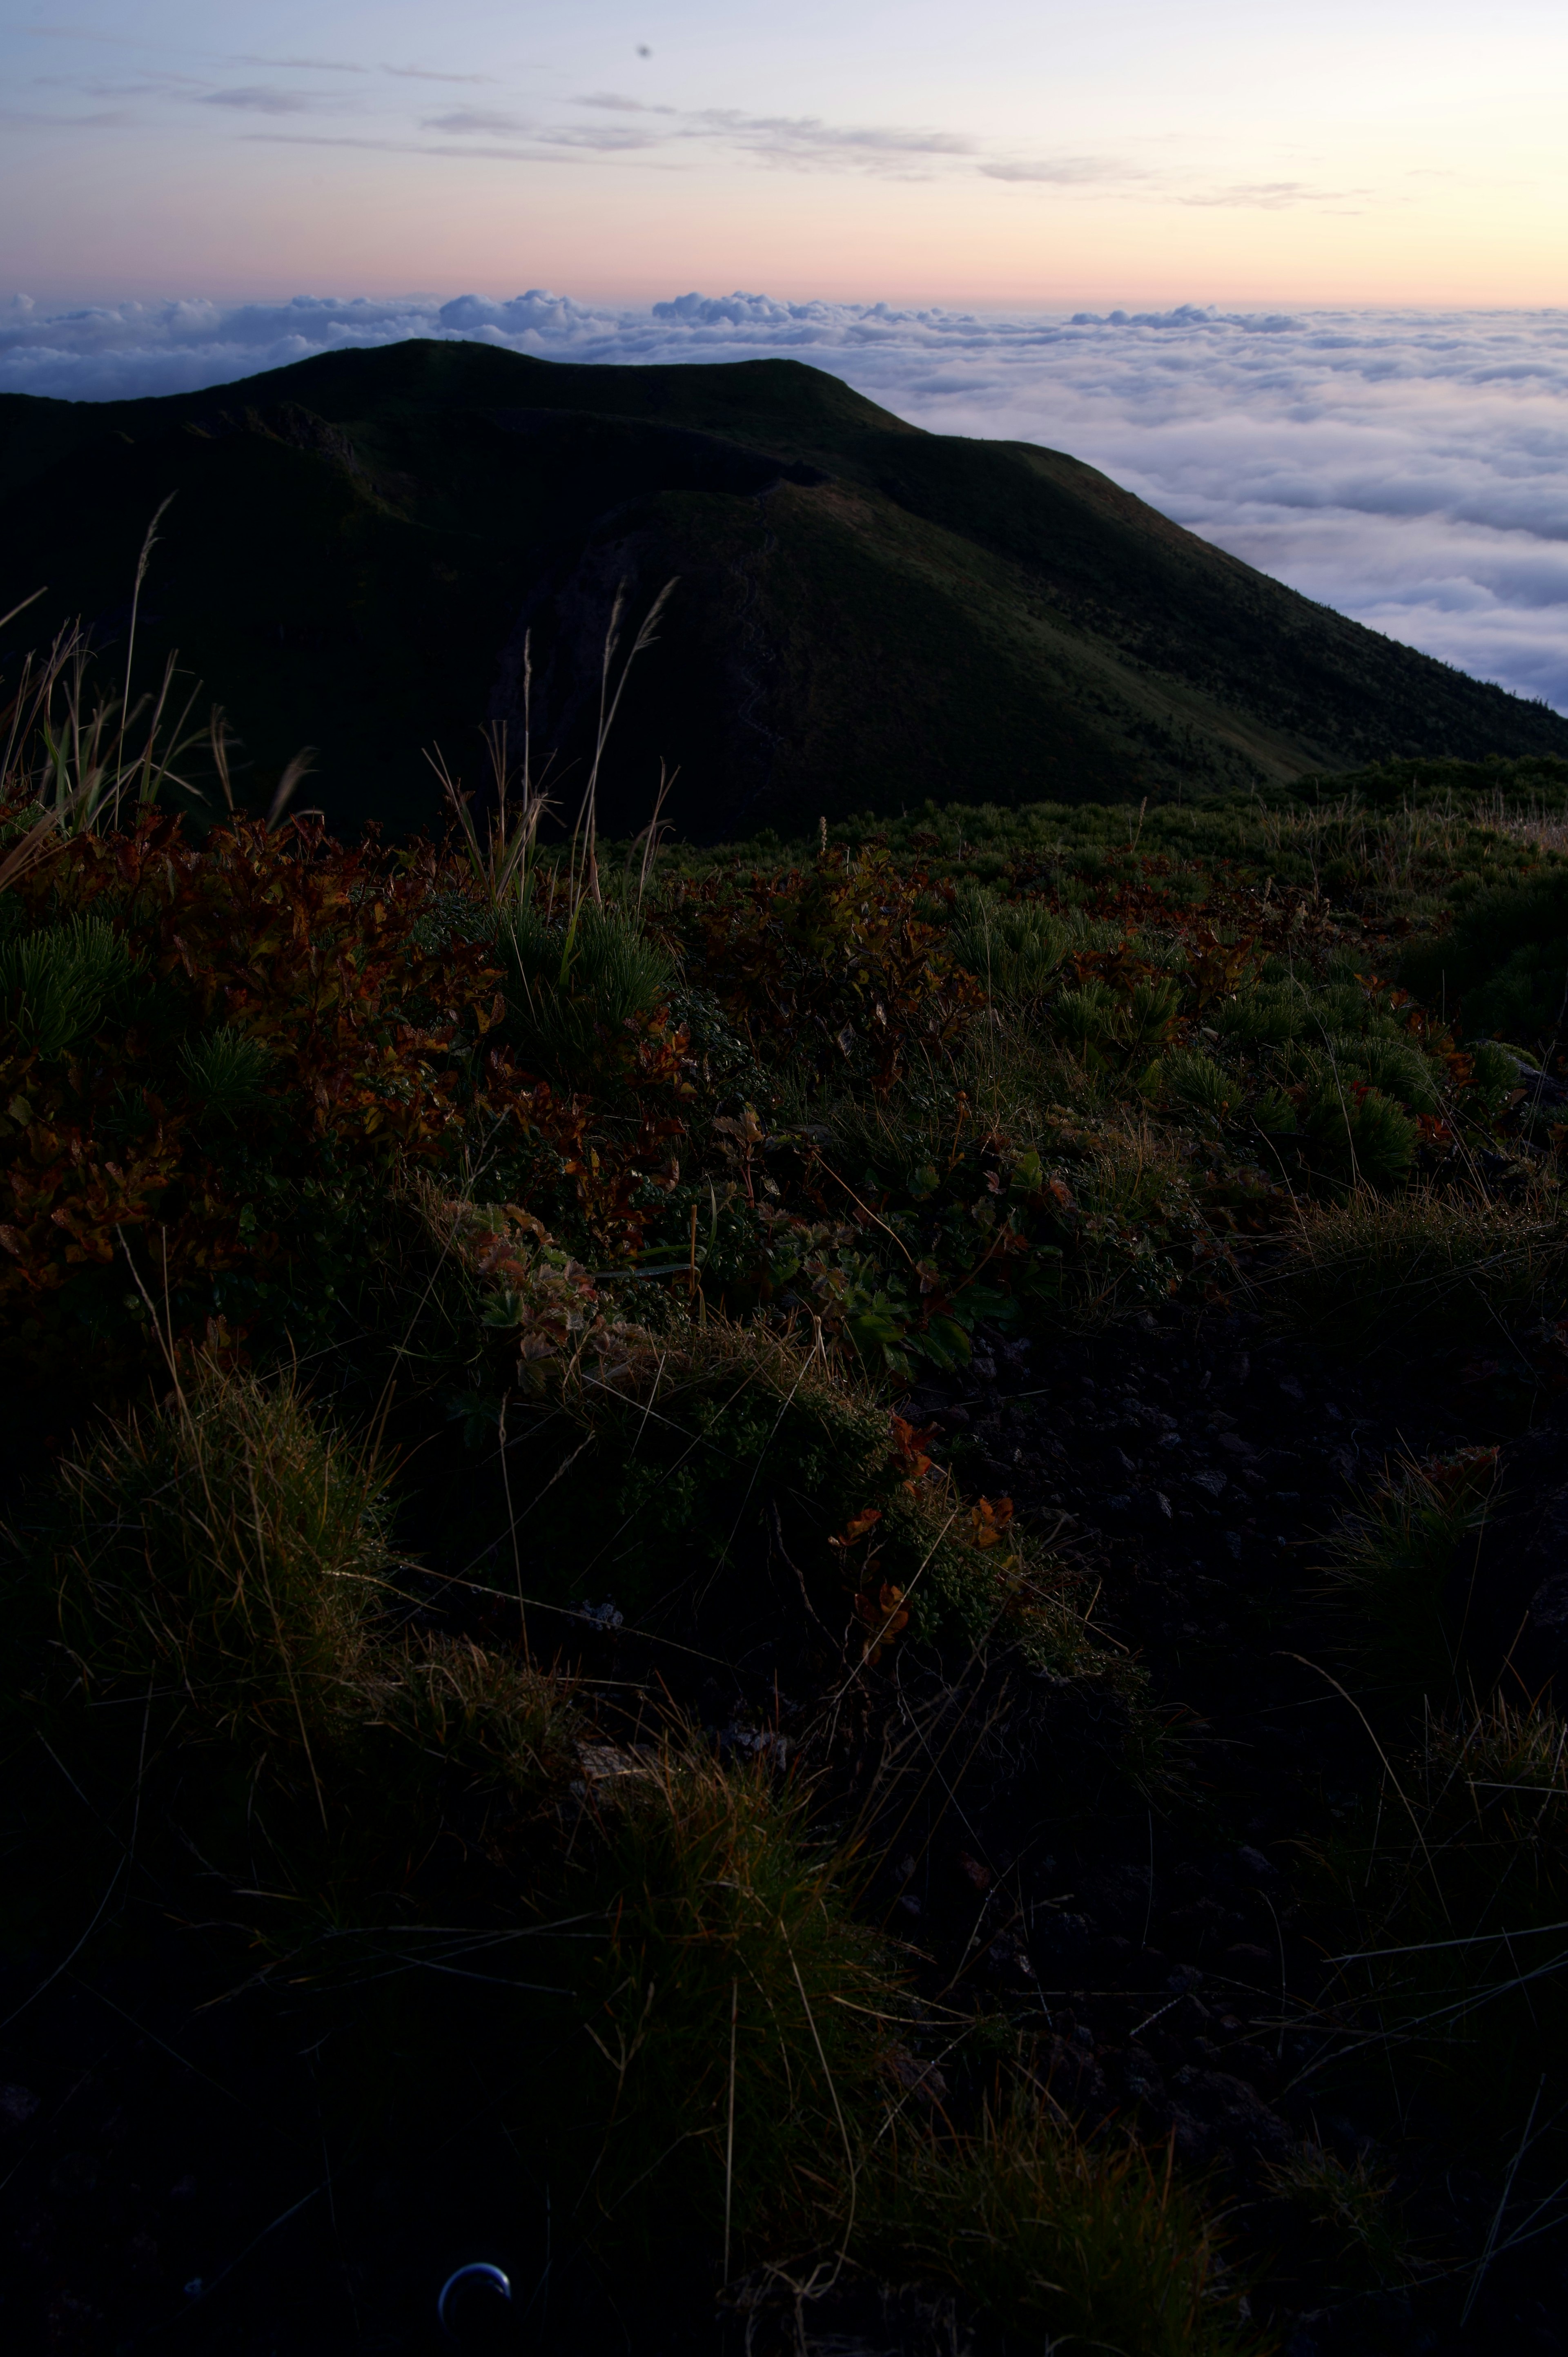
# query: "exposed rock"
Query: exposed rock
18,2105
1216,2111
1074,2078
1120,1894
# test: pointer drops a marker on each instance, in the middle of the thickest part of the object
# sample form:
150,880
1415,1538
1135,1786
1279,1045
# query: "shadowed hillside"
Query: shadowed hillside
868,615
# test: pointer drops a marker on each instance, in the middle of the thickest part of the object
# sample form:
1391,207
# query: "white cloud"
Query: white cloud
1410,469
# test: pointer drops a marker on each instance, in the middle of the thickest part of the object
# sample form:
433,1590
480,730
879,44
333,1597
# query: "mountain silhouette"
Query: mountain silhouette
867,614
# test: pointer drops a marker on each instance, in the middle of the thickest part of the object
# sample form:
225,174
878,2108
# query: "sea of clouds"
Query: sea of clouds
1409,469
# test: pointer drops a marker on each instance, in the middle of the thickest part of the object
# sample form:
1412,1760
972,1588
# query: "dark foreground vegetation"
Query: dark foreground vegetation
814,1591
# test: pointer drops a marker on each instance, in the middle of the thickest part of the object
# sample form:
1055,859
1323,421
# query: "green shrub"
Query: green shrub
1014,949
1274,1112
1504,965
1271,1013
59,982
226,1070
1494,1076
1357,1136
1146,1020
1195,1083
1380,1055
1083,1018
1400,1071
572,988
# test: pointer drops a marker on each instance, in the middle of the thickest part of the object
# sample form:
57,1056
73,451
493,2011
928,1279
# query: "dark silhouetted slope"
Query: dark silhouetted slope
867,614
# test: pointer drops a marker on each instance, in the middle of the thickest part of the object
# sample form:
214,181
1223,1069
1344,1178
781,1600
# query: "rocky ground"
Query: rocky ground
1197,1468
1167,1947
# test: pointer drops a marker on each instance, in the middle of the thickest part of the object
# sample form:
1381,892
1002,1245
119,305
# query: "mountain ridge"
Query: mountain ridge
869,615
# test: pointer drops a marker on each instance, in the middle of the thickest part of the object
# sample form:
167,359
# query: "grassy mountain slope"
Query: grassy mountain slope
868,615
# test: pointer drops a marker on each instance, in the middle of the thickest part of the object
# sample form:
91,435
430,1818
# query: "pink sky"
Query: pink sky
1012,152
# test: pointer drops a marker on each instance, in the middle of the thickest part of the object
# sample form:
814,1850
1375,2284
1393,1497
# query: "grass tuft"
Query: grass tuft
739,2009
487,1713
1421,1269
1074,2243
1458,1895
225,1544
1346,2207
1404,1563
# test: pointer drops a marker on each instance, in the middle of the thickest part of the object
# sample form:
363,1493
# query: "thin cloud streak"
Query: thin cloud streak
1276,196
618,106
1408,469
259,101
474,118
538,155
776,142
807,139
304,65
429,73
1064,171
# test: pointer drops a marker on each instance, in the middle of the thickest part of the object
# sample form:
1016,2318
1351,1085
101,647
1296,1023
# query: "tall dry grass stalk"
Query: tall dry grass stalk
1395,849
83,758
501,863
583,867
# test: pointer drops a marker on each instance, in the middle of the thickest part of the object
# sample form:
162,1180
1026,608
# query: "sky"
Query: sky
1300,277
1019,153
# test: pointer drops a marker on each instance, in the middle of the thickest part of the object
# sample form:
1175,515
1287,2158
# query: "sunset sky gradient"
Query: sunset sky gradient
1006,152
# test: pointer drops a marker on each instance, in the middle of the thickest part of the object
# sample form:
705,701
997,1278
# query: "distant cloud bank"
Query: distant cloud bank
1409,469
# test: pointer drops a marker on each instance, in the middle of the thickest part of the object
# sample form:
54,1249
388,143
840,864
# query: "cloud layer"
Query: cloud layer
1410,469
